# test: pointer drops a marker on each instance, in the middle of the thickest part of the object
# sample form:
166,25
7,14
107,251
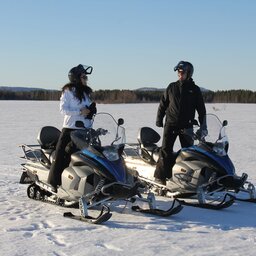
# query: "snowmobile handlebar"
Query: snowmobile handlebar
101,131
199,134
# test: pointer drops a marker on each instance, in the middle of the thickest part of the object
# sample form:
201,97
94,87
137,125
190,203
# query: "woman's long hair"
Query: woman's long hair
80,90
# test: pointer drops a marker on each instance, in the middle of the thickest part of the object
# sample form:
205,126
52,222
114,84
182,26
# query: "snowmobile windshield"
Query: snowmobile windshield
106,132
107,137
114,133
216,136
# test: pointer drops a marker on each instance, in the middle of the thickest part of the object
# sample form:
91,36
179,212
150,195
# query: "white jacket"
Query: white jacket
70,107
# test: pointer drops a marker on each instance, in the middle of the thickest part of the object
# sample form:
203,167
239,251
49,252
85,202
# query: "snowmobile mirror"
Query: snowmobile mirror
120,121
79,124
225,123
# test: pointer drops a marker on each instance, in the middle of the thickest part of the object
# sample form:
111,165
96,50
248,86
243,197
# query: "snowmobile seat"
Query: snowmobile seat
147,138
48,137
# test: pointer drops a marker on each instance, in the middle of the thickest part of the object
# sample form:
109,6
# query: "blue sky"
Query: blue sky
130,43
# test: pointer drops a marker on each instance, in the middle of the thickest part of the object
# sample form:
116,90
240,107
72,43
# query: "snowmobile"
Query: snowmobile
96,175
203,171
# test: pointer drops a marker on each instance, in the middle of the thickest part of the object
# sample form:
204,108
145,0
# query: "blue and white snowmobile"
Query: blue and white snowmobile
96,176
203,171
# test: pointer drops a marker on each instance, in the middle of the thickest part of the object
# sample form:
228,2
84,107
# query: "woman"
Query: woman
77,107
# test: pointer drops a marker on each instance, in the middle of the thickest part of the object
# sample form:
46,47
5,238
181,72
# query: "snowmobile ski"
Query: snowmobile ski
249,190
248,200
227,201
101,218
174,209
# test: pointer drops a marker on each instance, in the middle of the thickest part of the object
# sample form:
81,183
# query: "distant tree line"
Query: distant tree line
127,96
39,94
130,96
230,96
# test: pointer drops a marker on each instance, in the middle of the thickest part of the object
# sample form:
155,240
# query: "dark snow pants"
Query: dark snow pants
166,155
62,158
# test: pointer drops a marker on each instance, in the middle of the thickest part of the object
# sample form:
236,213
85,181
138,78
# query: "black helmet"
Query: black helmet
185,66
75,72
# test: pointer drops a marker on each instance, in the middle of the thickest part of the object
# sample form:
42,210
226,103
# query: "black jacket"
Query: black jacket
179,103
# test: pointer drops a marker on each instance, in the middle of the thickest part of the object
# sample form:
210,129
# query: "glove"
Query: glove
201,133
93,110
159,123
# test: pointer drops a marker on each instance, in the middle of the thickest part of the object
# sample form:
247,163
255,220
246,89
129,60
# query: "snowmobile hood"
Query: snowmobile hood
116,168
223,161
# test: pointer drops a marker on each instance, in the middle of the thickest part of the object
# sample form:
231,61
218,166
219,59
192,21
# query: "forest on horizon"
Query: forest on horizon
129,96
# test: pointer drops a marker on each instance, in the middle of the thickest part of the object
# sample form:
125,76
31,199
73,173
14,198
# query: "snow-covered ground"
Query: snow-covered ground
29,227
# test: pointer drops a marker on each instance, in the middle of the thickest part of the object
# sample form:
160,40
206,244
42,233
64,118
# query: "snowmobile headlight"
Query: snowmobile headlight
219,149
111,153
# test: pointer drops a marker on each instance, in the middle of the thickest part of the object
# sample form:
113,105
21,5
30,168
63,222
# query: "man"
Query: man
178,105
